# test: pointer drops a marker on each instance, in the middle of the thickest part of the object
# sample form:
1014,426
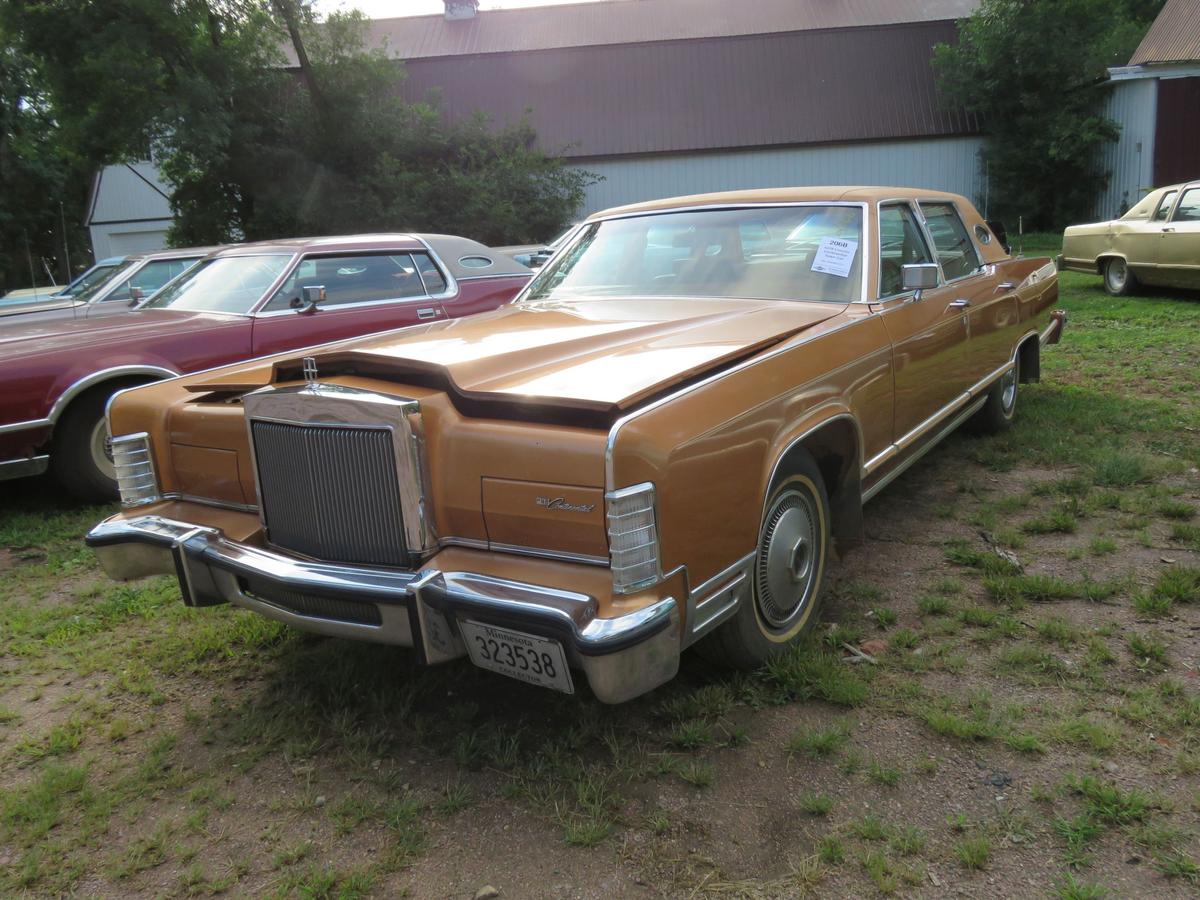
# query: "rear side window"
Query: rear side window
351,279
1160,214
435,282
1189,206
900,243
955,250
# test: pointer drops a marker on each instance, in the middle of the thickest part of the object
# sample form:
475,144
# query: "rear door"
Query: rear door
1179,243
364,293
928,335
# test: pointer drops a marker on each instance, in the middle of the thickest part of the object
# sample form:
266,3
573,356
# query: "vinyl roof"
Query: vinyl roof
634,21
1174,37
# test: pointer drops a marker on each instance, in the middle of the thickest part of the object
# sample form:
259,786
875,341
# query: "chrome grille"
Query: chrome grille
312,605
330,492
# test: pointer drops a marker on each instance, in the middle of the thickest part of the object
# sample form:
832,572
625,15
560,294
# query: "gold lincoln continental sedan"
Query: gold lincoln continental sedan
659,443
1157,242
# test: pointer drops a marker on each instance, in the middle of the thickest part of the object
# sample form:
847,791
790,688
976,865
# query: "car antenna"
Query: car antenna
1020,235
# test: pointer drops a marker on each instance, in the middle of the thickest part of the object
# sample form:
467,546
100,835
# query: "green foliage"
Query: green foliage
254,149
37,174
1034,74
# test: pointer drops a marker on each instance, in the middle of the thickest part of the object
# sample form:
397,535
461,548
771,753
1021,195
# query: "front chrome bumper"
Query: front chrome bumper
622,657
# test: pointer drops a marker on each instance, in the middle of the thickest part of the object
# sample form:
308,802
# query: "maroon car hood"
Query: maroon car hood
27,338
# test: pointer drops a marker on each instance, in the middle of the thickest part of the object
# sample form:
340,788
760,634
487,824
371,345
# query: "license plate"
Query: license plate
524,657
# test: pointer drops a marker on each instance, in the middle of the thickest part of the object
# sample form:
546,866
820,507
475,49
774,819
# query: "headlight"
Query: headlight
134,463
633,537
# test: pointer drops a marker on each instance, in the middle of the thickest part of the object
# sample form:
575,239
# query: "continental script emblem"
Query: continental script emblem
561,503
309,367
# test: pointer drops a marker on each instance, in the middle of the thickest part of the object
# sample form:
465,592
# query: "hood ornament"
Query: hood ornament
309,367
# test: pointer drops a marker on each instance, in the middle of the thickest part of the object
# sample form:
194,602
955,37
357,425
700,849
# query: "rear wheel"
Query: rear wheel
81,455
787,572
1000,408
1119,279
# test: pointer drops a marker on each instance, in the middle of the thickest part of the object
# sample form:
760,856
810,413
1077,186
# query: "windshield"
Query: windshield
107,278
770,253
93,276
230,284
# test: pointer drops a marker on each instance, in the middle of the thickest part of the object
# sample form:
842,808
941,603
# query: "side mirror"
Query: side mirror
919,277
136,296
311,296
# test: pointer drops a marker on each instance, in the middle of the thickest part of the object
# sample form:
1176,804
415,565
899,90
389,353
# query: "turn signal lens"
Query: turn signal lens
134,463
633,537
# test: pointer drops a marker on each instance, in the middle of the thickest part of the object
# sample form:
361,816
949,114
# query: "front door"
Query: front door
364,293
928,335
1179,243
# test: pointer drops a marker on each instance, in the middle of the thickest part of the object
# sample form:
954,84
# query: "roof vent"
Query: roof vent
461,9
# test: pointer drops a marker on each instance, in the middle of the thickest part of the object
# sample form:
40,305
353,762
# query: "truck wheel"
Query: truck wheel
998,410
81,452
1119,279
787,572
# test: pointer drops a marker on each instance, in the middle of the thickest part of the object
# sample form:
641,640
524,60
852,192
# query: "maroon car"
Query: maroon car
241,302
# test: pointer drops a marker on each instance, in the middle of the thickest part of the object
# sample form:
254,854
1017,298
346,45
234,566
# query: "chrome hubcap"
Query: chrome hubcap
787,559
1116,273
1008,390
101,449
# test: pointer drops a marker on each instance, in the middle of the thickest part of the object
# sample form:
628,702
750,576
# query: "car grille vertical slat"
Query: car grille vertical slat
331,492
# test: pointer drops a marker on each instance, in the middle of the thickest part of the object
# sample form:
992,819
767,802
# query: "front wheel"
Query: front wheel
81,455
1119,279
787,575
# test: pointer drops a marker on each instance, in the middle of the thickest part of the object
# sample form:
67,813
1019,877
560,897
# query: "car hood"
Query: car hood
31,335
602,355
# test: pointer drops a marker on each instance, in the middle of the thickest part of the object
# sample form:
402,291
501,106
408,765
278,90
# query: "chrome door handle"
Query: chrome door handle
1006,285
960,303
428,313
1168,231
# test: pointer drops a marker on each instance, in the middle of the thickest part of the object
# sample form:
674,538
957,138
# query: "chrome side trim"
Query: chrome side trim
24,468
472,543
25,426
585,558
717,599
208,501
925,448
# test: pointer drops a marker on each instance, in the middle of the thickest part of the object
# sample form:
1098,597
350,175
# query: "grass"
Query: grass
819,743
974,852
120,704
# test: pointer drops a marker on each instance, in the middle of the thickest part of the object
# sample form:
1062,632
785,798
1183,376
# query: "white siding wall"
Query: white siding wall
130,210
1130,160
945,164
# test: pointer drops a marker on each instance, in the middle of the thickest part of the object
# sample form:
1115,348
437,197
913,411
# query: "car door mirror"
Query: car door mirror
136,296
311,296
919,277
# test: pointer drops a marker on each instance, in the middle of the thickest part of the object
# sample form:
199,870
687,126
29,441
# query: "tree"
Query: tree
41,192
1034,72
255,148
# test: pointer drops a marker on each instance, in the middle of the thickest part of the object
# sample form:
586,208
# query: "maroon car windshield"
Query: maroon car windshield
228,284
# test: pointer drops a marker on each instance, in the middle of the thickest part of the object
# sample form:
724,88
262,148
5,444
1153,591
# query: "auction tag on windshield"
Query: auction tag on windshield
835,257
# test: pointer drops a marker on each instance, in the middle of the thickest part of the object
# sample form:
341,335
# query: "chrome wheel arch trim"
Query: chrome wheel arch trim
158,373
